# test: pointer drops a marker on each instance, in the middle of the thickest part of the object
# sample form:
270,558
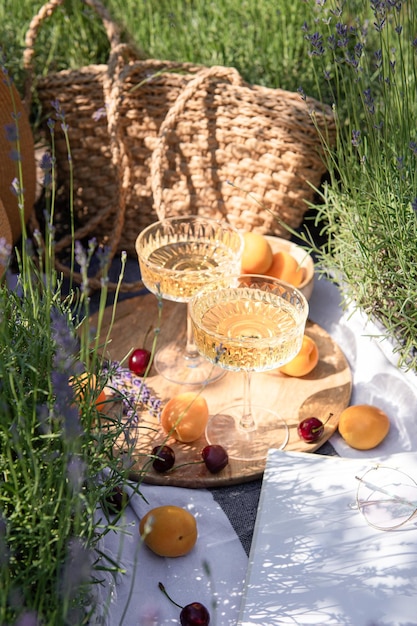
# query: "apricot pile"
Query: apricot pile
258,258
257,254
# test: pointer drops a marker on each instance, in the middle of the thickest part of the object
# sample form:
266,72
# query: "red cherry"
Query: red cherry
194,614
116,500
215,457
164,458
311,428
139,360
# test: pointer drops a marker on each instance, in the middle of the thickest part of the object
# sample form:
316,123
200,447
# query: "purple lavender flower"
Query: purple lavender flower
65,411
301,91
7,80
133,391
16,187
103,256
4,550
28,618
351,60
12,132
378,59
358,49
65,366
332,42
100,113
66,343
413,147
342,31
80,256
77,568
76,472
369,101
5,252
46,165
379,24
316,41
356,138
15,155
220,350
56,105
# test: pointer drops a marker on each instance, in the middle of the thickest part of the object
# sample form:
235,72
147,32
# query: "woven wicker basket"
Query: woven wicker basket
155,138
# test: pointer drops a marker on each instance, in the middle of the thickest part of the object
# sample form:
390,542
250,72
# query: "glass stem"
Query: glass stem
191,351
247,422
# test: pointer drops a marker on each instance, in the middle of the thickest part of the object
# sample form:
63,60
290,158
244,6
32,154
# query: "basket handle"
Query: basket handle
229,74
112,32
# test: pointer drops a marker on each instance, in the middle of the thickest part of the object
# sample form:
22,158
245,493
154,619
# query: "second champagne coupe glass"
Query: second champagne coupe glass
177,257
253,324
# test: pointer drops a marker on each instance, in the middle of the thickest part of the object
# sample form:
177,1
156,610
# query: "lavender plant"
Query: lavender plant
363,56
57,461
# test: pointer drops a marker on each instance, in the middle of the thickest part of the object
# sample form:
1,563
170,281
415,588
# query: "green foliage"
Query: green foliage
366,60
57,449
51,458
263,39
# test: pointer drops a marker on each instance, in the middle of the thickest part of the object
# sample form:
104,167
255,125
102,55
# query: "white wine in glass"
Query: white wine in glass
253,324
177,257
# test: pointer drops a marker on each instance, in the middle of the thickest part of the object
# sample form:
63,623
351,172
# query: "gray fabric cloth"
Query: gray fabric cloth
240,503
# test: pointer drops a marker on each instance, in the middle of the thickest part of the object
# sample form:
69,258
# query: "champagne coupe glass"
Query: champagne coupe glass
253,324
177,257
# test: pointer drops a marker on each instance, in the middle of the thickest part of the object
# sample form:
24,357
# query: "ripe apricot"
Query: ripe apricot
286,267
80,388
305,361
257,254
101,400
363,426
185,416
169,530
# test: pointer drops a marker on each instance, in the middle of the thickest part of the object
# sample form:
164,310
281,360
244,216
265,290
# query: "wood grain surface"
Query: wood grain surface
327,389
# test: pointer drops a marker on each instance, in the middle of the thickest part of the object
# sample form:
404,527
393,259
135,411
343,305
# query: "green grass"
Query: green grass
263,40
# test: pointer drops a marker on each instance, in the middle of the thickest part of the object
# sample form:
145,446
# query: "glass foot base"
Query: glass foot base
172,363
270,431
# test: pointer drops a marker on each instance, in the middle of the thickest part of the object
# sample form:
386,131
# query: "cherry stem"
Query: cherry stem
147,334
165,592
330,415
315,430
175,467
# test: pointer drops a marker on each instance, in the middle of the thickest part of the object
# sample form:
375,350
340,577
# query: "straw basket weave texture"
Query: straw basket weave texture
153,139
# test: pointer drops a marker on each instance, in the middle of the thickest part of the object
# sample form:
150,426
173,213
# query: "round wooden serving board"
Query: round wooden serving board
327,389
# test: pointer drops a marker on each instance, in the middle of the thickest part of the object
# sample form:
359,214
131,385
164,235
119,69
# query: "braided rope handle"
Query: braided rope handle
231,75
112,32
